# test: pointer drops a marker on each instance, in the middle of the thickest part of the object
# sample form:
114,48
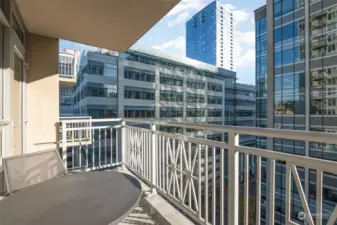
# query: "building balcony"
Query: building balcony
67,81
172,167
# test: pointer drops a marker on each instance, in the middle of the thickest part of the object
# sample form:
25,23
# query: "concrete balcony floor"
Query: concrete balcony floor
139,216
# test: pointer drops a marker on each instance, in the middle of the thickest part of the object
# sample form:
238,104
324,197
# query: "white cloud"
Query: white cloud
246,59
185,5
181,18
176,45
240,15
245,37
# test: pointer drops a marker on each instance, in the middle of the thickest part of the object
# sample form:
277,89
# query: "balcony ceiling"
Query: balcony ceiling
111,24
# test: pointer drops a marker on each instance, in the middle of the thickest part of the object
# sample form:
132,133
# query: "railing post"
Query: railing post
153,158
233,179
123,144
64,144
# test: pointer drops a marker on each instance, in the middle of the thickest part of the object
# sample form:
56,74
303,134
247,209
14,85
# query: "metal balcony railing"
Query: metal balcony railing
213,182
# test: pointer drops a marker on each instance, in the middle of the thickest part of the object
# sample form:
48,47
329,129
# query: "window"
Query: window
214,100
214,87
195,84
139,93
195,112
110,70
139,112
171,80
171,96
195,98
214,113
141,75
171,112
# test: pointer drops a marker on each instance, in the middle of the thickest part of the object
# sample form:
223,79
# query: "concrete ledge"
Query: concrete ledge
160,210
164,213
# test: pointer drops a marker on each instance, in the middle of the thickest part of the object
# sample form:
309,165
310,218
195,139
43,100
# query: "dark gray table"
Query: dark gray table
88,198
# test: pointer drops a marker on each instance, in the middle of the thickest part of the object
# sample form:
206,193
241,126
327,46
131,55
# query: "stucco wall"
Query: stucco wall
42,92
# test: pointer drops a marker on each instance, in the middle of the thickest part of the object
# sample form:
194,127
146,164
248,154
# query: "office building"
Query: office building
68,68
296,72
95,93
151,84
210,36
245,110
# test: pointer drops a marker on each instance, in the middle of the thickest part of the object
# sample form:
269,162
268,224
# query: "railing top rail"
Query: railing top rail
312,136
74,117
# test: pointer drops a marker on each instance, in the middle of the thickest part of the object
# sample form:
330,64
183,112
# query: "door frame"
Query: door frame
19,50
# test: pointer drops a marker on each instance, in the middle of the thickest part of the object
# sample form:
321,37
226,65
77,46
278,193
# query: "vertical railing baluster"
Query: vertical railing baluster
199,181
319,197
174,164
181,170
124,141
93,149
105,150
99,147
190,178
72,149
246,189
116,145
271,191
288,194
64,144
233,179
258,190
111,146
222,186
214,187
159,163
206,184
86,155
167,165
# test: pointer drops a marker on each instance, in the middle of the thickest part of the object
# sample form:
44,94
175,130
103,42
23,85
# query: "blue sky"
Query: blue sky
168,34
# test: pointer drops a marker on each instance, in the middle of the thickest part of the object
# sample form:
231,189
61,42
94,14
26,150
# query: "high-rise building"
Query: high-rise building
296,83
245,110
68,68
210,36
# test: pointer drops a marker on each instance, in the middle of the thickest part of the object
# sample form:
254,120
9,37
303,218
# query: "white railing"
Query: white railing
88,145
202,177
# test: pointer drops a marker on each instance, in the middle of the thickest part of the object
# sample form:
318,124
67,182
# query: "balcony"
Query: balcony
173,167
67,81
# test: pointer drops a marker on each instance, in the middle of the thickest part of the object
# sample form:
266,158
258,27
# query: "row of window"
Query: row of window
145,95
195,98
171,80
171,112
139,113
97,90
195,84
214,100
101,69
282,7
148,60
141,75
214,113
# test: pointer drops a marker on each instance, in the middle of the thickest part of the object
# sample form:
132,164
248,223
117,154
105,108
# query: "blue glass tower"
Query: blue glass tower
210,36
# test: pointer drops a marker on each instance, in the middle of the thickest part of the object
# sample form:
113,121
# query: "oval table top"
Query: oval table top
86,198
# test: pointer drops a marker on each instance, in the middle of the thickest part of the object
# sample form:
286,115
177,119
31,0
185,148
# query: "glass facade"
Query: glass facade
201,35
290,93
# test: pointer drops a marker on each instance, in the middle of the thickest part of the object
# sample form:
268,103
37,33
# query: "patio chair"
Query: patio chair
28,169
